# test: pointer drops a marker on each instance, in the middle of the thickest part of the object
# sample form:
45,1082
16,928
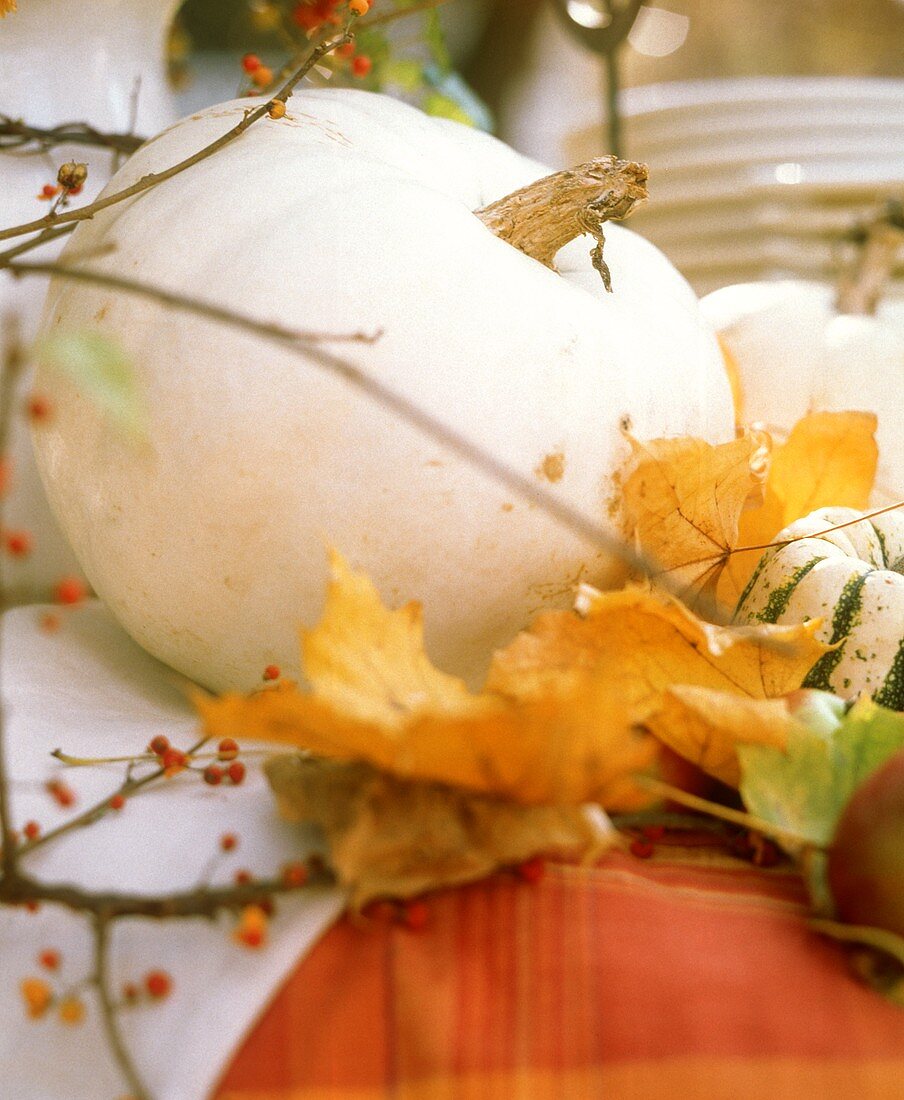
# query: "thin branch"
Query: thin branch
184,302
494,468
204,902
154,178
34,242
10,365
788,838
383,18
101,809
17,136
864,517
101,927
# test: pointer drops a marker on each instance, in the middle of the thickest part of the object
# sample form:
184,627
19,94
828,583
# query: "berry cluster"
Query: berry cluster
40,997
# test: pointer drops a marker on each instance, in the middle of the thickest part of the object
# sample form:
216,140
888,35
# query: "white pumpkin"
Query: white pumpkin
354,212
796,352
851,578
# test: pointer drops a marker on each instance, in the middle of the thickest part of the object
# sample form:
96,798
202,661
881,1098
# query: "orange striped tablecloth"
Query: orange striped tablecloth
633,980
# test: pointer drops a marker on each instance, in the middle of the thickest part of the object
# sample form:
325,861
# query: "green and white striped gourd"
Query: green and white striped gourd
853,579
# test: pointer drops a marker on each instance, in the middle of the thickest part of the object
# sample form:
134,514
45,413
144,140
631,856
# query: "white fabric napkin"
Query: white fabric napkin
89,690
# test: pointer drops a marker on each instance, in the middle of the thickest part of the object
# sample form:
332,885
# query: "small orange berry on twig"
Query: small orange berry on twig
19,544
277,109
70,591
262,76
72,1010
158,984
359,7
37,995
361,65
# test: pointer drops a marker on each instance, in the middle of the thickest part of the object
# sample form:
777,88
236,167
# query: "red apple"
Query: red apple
866,857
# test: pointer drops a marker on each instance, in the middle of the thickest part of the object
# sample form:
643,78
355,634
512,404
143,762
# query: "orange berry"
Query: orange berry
359,7
251,62
415,915
272,672
227,749
228,842
38,408
641,848
37,995
262,76
361,65
48,191
117,802
158,984
532,870
236,772
277,109
31,830
19,544
173,761
49,958
159,744
70,591
252,927
72,1010
347,49
295,874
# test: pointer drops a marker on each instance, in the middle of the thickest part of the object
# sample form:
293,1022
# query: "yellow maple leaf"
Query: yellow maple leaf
370,663
376,698
641,643
684,497
828,459
705,726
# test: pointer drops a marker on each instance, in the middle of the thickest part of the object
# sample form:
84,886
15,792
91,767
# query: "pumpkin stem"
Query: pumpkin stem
544,216
861,285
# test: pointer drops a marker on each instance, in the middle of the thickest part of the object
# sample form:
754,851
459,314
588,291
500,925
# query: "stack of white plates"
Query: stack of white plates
761,178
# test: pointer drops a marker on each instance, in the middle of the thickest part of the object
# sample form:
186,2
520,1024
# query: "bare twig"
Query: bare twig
18,136
10,365
101,928
153,179
183,302
526,488
205,902
101,809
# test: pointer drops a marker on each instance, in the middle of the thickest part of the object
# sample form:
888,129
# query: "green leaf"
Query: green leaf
441,106
806,787
436,41
102,371
404,73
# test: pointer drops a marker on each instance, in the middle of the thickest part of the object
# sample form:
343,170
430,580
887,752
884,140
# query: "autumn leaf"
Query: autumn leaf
684,498
640,643
370,663
707,726
395,838
828,459
375,697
